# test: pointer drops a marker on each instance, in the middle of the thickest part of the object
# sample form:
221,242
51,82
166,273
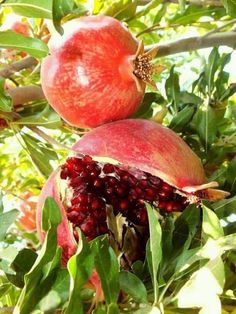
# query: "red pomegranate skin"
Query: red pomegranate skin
148,146
87,78
64,232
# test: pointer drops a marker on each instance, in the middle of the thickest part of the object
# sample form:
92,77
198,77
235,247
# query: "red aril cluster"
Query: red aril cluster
93,186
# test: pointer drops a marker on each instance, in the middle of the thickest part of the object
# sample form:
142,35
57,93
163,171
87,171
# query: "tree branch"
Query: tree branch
195,43
17,66
22,95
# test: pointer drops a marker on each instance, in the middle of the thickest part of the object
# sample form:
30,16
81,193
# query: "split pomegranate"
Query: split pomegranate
120,166
96,71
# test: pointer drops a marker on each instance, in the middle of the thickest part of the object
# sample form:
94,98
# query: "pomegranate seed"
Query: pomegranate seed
108,168
84,174
98,183
124,204
73,215
95,204
120,190
166,187
87,159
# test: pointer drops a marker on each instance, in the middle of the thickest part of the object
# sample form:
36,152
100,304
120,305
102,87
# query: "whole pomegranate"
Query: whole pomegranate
121,165
96,71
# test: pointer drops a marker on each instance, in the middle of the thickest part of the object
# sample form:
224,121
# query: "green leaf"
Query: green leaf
51,214
1,203
186,226
145,110
61,8
120,9
80,267
40,153
206,125
194,13
21,265
155,249
31,8
173,89
47,118
107,266
211,68
4,288
39,280
5,99
230,6
33,46
6,220
211,227
224,208
58,294
133,286
182,118
147,8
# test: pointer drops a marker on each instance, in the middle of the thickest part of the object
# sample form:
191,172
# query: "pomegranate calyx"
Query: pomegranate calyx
144,69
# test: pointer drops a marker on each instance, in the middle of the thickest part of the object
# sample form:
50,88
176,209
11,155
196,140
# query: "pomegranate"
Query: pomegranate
96,71
121,165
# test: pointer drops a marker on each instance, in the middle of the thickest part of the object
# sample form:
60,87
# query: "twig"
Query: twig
155,27
195,43
17,66
217,29
22,95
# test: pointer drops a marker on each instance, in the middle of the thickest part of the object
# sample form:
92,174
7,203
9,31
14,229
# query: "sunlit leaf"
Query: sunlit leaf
33,46
31,8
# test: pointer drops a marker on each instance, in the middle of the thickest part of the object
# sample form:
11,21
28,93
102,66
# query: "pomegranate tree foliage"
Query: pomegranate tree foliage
190,257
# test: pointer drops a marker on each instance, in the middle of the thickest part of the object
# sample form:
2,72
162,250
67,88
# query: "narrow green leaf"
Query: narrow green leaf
47,118
6,220
206,125
182,118
1,203
107,266
80,268
155,247
230,6
51,214
33,46
39,280
21,265
211,68
58,294
211,227
40,153
31,8
186,226
60,8
4,288
133,286
145,110
173,89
